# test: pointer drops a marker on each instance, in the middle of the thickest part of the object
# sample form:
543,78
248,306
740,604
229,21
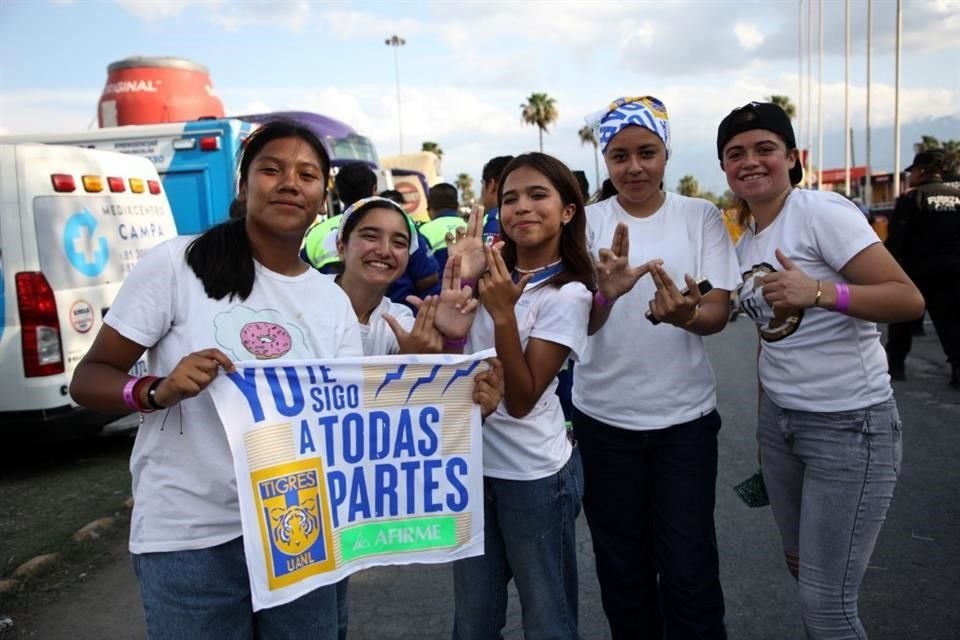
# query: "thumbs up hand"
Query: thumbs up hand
789,289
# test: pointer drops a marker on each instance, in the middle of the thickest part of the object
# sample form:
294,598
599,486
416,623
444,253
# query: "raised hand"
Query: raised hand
488,387
457,306
789,289
498,293
423,337
468,245
193,374
668,304
615,277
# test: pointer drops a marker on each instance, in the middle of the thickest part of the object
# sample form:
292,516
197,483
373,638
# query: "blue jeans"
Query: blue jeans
830,478
205,594
530,536
649,502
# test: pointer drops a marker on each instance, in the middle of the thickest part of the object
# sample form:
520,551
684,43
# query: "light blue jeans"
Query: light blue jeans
530,536
205,594
830,478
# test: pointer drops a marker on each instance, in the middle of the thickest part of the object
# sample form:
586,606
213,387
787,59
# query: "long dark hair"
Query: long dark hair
221,257
578,266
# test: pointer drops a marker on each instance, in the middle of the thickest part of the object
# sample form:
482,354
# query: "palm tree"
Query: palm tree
433,147
540,110
688,186
465,184
587,137
784,103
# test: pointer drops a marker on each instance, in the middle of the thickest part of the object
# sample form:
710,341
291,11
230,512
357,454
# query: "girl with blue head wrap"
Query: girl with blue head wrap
644,394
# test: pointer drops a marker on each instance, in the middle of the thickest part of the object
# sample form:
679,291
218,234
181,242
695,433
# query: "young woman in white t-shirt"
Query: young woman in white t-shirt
181,304
535,297
374,241
816,280
644,394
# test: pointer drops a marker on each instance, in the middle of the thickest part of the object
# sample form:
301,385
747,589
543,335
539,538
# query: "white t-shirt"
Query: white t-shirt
377,336
534,446
635,375
184,487
814,360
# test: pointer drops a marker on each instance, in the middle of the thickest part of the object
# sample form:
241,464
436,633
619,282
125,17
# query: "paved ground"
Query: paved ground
911,588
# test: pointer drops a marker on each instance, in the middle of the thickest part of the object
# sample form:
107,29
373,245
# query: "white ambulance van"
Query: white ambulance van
73,223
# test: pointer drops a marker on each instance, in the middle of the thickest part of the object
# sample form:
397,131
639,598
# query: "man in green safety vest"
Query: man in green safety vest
442,205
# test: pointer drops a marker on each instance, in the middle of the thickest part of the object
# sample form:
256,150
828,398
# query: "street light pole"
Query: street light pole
396,42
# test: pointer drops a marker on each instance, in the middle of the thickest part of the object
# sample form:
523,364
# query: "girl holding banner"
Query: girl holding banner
536,303
375,240
237,292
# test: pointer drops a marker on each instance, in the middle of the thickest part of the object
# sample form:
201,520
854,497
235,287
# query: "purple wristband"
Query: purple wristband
455,344
128,398
468,282
843,298
601,300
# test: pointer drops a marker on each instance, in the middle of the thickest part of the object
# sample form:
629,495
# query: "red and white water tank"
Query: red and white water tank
148,90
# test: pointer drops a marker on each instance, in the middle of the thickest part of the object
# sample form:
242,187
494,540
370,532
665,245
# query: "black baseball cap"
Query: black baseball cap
929,159
759,115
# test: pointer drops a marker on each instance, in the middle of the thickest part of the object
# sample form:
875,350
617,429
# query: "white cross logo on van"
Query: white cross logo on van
87,252
83,244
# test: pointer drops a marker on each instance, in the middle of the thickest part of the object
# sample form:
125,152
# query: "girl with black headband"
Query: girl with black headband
816,280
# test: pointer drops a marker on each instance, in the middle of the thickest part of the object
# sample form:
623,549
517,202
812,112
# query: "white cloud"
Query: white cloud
290,14
159,10
748,35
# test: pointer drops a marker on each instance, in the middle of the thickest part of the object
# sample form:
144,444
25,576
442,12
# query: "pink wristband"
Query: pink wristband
128,398
843,298
468,282
601,300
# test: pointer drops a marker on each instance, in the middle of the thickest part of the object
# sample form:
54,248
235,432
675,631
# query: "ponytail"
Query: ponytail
221,258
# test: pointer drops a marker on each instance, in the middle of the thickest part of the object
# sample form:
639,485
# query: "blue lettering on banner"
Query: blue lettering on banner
378,462
88,254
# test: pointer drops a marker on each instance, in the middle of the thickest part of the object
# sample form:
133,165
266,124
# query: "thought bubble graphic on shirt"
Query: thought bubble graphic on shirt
264,335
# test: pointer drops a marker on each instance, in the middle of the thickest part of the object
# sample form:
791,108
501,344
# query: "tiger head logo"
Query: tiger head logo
296,527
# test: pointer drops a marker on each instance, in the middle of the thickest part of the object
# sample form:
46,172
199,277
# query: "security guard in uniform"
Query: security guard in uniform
924,235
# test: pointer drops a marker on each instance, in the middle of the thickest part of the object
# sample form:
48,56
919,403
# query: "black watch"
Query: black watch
152,394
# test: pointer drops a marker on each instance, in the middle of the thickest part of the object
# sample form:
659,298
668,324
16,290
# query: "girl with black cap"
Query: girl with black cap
816,280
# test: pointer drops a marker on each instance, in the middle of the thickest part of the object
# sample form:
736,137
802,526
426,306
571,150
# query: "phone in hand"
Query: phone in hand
703,286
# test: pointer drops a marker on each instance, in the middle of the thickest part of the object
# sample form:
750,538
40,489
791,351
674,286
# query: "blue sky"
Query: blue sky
467,67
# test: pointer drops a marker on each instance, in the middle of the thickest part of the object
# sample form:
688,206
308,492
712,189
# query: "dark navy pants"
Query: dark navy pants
649,499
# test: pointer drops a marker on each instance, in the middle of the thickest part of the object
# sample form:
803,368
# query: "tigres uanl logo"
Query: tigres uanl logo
295,527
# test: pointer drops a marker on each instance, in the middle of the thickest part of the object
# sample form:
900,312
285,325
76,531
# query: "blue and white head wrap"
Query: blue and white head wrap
644,111
386,203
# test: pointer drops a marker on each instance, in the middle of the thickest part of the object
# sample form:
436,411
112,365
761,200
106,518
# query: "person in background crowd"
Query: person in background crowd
185,303
816,280
488,197
924,236
536,301
356,181
442,205
393,194
583,183
644,394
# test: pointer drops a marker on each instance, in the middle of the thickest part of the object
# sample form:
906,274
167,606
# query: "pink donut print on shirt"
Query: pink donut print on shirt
265,340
